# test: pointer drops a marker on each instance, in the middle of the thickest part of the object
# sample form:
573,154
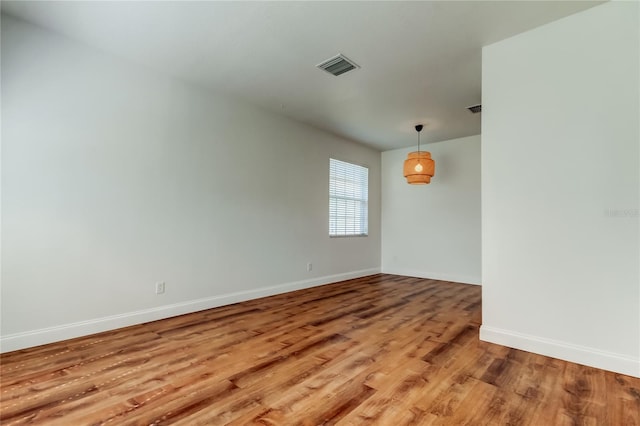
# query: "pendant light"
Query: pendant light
419,168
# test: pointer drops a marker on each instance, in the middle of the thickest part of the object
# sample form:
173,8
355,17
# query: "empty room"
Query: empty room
316,213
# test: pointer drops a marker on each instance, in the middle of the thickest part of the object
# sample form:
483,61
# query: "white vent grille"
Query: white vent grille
338,65
475,108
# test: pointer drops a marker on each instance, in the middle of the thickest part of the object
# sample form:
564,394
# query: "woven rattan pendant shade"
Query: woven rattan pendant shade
419,168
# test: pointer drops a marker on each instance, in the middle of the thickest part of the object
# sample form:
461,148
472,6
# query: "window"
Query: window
348,199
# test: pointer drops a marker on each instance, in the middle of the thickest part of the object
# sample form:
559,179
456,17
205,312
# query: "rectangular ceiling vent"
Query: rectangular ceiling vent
338,65
475,108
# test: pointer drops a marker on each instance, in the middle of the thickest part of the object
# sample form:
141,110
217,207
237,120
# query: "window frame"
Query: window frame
359,206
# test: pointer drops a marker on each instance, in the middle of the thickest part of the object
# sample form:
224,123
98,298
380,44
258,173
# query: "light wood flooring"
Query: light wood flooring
379,350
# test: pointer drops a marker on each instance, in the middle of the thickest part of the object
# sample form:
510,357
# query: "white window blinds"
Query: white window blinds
348,199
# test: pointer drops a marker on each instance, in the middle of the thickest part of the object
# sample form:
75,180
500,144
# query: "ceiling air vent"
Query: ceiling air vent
475,108
338,65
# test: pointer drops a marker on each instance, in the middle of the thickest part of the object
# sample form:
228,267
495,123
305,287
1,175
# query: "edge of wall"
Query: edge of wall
464,279
591,357
43,336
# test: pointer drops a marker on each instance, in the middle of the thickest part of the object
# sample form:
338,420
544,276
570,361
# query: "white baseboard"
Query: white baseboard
465,279
42,336
562,350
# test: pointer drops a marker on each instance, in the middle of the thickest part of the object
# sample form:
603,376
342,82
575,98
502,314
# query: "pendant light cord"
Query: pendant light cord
419,151
418,129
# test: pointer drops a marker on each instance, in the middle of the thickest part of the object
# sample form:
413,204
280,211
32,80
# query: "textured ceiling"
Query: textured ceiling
420,61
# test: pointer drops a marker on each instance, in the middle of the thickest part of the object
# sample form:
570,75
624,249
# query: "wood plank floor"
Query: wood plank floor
379,350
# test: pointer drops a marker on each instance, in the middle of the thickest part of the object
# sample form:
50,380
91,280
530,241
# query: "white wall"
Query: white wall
433,231
115,177
560,189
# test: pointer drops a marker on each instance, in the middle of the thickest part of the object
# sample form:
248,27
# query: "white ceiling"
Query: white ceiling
420,60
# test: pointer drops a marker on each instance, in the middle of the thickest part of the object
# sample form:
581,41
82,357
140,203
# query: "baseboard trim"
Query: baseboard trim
464,279
58,333
562,350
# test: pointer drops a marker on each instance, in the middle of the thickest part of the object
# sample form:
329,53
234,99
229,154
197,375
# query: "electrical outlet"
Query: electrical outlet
309,266
159,287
